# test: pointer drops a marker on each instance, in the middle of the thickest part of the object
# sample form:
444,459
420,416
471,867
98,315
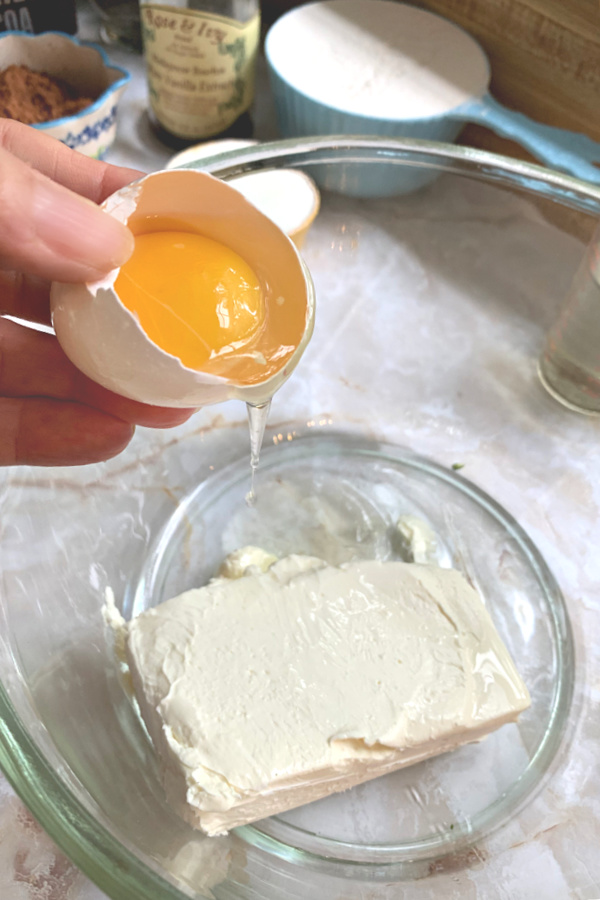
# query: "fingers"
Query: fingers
49,231
24,296
89,177
75,242
40,432
32,364
50,413
130,411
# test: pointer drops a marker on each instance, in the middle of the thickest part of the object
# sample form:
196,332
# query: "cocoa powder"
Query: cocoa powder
33,97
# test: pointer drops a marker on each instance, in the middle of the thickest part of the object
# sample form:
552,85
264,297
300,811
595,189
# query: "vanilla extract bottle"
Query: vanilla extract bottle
200,61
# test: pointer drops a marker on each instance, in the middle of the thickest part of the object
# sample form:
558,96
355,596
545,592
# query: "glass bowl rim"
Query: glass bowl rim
457,159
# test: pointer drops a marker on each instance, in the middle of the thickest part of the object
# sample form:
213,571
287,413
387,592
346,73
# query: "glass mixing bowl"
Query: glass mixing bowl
431,311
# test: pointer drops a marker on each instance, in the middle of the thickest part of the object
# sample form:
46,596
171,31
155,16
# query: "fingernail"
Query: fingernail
75,228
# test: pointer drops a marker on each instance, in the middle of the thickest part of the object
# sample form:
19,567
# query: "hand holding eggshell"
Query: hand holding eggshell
50,413
214,304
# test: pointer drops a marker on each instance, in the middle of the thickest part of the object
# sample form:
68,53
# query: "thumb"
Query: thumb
47,230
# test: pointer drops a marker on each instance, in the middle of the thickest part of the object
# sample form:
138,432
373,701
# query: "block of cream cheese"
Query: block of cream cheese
268,691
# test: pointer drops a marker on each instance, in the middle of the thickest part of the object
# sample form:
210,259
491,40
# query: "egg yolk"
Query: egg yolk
194,297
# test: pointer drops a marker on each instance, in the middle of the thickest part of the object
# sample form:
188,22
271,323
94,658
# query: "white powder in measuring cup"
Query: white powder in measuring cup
377,58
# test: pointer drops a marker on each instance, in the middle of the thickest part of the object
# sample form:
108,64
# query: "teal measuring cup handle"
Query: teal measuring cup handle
566,151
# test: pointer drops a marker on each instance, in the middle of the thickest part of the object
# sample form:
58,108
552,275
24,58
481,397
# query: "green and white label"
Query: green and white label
200,68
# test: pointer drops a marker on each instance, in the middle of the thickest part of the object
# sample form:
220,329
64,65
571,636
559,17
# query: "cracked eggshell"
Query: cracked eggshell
104,339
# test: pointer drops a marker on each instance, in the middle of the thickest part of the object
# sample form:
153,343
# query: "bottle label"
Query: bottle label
200,68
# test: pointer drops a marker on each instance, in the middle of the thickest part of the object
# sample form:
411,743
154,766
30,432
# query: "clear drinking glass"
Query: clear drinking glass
570,362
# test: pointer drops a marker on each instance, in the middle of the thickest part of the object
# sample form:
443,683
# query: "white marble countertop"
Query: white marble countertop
538,460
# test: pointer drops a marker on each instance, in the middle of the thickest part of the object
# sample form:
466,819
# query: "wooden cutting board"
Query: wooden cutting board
544,54
545,60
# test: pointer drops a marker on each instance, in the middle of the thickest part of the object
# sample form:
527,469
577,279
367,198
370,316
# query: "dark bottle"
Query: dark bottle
200,58
36,16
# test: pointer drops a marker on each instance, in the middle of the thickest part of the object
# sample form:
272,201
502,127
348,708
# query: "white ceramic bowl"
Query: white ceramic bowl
86,67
